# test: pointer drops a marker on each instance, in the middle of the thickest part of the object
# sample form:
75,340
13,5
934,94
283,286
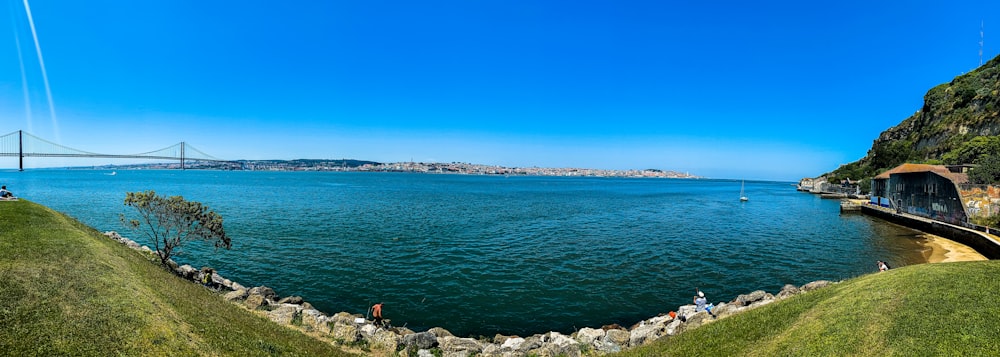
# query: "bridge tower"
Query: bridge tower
182,155
20,150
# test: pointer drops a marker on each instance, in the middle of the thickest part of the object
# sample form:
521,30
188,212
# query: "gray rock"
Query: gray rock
726,310
530,343
385,340
236,295
787,291
699,319
291,300
815,285
314,320
512,344
422,340
254,302
674,327
344,318
492,350
284,314
346,333
424,353
645,333
618,337
558,344
440,332
264,291
588,336
768,298
747,299
460,346
500,339
186,271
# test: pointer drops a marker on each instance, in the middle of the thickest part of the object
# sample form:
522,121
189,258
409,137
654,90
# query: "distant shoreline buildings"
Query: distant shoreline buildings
347,165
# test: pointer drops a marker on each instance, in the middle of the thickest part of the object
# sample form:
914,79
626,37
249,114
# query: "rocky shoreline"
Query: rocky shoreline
354,330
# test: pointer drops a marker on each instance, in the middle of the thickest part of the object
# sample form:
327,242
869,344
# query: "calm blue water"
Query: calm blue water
485,255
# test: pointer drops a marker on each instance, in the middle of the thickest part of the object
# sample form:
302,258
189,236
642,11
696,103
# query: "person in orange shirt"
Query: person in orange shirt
377,314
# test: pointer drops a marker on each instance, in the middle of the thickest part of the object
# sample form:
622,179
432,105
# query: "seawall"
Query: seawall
981,242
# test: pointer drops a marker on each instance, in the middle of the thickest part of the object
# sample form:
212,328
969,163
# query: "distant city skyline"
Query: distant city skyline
764,91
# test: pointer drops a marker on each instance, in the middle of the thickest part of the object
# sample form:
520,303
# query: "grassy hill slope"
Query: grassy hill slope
67,290
919,310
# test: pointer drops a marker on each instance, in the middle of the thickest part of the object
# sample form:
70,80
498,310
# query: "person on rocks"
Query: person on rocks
701,303
882,266
206,277
4,194
377,314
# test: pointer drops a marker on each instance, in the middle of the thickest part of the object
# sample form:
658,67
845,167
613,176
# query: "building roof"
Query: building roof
941,170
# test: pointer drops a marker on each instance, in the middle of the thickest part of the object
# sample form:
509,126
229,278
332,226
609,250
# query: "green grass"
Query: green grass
68,291
919,310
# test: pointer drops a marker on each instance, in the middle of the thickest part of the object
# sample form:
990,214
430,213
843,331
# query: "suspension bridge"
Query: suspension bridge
21,144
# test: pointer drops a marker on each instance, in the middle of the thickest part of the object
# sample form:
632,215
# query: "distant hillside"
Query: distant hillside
952,116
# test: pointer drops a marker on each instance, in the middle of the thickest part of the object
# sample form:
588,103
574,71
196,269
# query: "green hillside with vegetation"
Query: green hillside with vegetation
939,309
69,291
959,123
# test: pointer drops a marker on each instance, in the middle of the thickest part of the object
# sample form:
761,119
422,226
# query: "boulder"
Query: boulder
264,291
529,344
557,344
674,327
698,319
608,347
747,299
645,333
725,310
226,283
500,339
618,337
253,302
346,333
368,330
452,345
186,271
512,344
588,336
314,320
284,314
291,300
344,318
787,291
493,350
768,298
440,332
815,285
236,295
384,340
422,340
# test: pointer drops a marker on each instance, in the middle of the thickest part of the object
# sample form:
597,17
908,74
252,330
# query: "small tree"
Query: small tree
169,222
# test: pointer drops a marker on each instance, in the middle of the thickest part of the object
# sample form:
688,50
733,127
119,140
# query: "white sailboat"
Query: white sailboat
743,196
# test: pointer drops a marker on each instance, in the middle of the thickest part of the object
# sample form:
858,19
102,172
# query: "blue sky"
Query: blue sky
773,91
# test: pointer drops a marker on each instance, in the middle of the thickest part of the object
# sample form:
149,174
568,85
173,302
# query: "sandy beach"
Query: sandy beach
943,250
